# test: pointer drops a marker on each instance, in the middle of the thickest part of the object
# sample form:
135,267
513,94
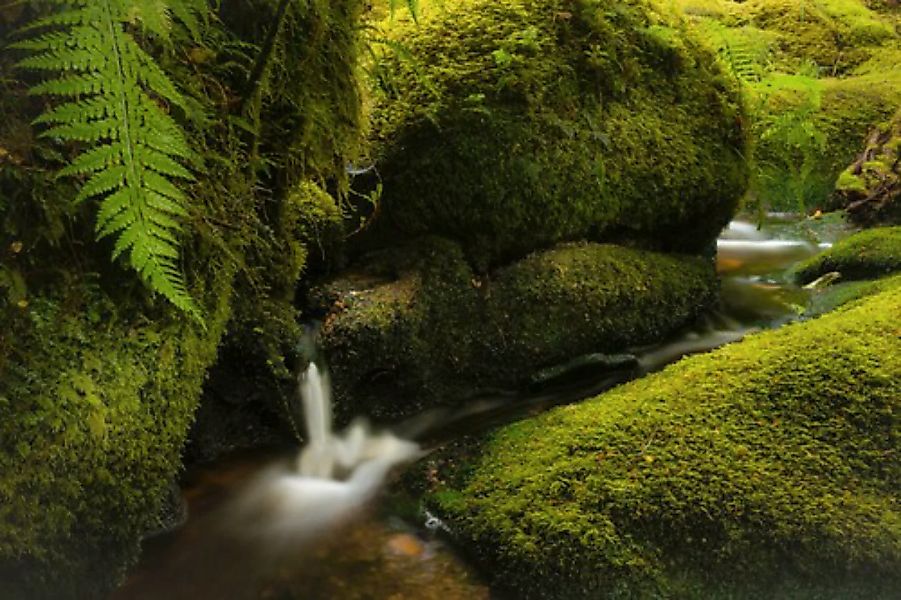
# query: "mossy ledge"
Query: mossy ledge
866,255
766,469
416,327
516,124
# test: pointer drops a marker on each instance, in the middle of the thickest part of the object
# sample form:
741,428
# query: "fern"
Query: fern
112,93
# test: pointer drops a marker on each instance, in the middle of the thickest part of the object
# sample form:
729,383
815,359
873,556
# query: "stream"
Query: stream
275,525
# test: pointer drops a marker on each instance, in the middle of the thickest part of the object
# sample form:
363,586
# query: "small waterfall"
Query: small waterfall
334,477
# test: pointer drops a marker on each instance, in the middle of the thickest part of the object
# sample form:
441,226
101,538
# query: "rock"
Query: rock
866,255
513,125
417,328
764,469
870,189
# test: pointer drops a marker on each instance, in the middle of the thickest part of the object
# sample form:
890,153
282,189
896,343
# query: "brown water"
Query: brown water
377,555
386,550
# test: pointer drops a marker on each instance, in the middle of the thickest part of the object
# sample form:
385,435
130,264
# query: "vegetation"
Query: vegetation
99,376
760,470
433,332
871,187
817,75
509,126
869,254
548,178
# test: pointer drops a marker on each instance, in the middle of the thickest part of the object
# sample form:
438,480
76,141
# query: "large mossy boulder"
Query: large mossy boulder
416,327
100,380
95,405
511,125
766,469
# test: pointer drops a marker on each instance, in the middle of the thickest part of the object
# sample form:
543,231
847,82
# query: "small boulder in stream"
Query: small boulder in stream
415,327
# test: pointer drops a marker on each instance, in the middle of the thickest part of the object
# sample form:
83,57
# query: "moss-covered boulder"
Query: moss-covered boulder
765,469
95,405
866,255
417,327
870,189
511,125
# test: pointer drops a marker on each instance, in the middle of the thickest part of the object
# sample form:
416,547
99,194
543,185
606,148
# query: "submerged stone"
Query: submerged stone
764,469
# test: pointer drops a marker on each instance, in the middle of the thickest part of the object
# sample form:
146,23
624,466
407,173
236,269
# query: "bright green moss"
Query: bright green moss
835,35
406,333
517,124
762,470
94,409
868,254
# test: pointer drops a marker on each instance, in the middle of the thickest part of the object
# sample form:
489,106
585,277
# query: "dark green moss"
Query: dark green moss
516,124
99,380
762,470
866,255
412,332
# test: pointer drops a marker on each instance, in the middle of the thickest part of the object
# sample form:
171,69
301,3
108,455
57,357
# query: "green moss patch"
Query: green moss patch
417,327
94,409
866,255
511,125
764,469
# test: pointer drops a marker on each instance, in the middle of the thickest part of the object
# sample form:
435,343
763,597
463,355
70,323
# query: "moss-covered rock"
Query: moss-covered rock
516,124
762,470
870,189
417,327
866,255
95,405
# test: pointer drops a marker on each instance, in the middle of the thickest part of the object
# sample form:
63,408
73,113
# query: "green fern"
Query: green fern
112,93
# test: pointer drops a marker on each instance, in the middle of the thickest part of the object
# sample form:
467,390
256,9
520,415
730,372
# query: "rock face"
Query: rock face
870,189
516,124
765,469
416,327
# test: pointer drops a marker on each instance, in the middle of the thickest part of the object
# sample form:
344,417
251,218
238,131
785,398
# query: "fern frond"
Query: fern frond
113,95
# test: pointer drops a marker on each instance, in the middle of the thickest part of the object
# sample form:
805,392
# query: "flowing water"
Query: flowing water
320,525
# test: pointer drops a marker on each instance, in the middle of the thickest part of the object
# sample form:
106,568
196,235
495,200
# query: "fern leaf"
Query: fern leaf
134,154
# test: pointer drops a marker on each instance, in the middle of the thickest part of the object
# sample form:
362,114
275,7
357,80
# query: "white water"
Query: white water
335,476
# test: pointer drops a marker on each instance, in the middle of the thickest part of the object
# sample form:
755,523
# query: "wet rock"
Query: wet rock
416,327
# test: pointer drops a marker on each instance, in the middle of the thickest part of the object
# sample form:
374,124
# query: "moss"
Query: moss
762,470
870,188
99,381
95,405
517,124
866,255
428,331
